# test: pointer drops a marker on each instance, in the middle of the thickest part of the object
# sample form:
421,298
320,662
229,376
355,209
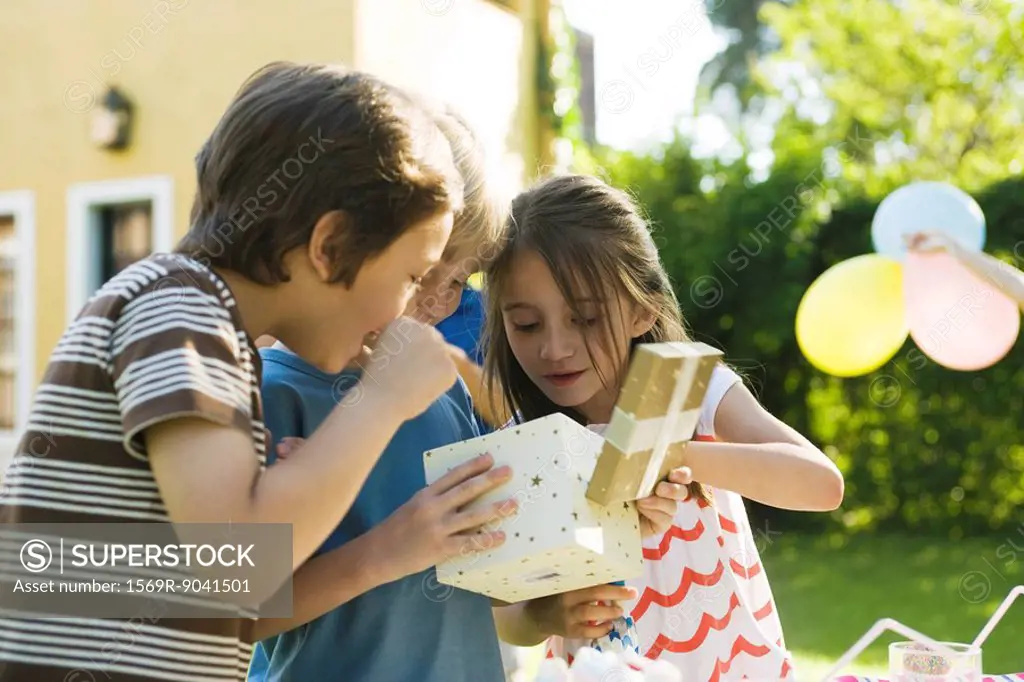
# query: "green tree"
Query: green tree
748,42
875,94
936,86
922,448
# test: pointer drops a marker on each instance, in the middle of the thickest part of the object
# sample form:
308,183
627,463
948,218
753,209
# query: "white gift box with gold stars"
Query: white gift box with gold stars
559,540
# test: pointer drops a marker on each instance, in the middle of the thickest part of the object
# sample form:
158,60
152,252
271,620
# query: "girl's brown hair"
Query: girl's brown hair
479,225
597,244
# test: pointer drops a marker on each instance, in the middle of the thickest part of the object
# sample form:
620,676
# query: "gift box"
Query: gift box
558,540
653,420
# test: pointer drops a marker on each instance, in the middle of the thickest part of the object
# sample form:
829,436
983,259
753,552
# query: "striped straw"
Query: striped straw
998,615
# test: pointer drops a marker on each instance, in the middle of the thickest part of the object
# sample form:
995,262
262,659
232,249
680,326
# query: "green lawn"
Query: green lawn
828,596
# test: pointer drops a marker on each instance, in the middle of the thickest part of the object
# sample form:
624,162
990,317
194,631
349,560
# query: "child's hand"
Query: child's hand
657,511
410,367
434,525
578,614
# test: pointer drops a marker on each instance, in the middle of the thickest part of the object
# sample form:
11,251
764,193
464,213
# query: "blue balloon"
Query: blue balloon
927,207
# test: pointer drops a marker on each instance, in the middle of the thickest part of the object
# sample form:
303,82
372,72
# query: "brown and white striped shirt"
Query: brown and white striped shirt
161,340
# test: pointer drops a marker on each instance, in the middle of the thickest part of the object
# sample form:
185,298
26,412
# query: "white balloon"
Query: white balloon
923,207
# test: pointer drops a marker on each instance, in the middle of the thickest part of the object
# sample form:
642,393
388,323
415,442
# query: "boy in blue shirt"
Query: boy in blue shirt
378,613
463,329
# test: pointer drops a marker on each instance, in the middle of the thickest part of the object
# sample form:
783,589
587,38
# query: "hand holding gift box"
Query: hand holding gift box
577,523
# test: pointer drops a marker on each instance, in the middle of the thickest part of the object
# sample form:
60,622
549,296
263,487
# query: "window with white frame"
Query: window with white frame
112,224
124,234
17,315
8,323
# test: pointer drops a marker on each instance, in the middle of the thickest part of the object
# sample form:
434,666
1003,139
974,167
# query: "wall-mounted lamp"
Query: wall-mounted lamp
112,121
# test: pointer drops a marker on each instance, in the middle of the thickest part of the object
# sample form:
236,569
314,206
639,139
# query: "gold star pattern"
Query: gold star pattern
535,481
575,516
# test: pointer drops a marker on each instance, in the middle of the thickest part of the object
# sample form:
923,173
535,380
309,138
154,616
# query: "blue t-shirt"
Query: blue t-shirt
410,629
463,327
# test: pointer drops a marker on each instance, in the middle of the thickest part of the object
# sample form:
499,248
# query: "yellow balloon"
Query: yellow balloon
476,281
851,320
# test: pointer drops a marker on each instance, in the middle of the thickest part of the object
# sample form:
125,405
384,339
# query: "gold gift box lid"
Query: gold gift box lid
653,420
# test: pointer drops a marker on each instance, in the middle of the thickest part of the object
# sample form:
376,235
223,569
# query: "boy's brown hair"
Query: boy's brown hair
301,141
480,224
478,227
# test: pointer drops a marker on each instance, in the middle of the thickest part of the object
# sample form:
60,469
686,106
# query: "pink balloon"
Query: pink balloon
958,319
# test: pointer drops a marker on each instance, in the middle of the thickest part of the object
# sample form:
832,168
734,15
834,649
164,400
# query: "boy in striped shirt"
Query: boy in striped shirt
323,197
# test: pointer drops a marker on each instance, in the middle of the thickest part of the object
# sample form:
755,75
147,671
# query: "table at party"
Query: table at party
1013,677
